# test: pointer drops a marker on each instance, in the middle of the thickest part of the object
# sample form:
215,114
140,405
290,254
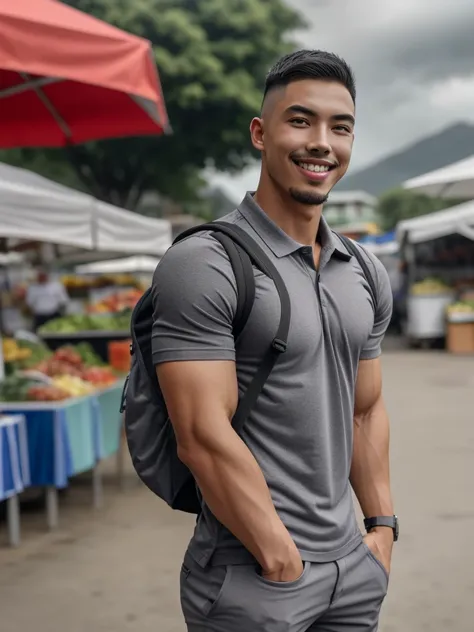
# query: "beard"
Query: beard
308,198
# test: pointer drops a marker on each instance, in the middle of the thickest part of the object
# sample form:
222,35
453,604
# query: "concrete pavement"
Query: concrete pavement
116,570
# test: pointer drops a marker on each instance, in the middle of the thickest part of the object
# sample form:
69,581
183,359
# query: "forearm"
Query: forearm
235,490
370,471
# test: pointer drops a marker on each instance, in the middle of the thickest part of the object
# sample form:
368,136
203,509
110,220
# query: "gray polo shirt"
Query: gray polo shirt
301,430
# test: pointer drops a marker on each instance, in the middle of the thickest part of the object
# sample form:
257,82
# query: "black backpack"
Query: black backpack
150,436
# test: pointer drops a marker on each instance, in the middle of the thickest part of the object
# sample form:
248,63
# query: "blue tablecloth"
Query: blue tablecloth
14,464
67,438
109,420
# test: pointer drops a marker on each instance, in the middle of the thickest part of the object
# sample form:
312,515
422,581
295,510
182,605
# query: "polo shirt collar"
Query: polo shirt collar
282,244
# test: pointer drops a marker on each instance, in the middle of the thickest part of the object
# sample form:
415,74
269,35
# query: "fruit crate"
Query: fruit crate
460,333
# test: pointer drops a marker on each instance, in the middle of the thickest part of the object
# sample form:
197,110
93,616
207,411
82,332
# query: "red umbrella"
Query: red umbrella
66,78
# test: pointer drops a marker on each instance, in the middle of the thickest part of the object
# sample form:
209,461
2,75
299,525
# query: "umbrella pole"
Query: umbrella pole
2,363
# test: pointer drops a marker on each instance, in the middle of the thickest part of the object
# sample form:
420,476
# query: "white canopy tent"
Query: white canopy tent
454,181
456,220
138,264
37,209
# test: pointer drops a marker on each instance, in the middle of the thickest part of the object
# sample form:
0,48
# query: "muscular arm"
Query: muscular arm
201,397
370,477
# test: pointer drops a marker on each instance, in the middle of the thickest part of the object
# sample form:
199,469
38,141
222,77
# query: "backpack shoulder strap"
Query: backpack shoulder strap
245,280
353,249
260,259
243,271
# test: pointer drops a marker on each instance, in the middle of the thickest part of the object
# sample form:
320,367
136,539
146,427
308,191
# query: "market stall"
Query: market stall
438,250
104,322
70,402
106,86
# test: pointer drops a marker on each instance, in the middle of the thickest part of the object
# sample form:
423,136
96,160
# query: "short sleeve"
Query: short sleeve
383,314
194,298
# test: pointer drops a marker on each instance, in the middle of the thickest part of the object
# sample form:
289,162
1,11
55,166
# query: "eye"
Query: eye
299,122
344,128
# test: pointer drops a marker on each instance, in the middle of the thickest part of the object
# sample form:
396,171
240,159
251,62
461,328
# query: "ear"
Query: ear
256,133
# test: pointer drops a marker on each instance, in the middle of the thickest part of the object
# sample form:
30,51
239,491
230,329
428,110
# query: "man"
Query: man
46,299
277,546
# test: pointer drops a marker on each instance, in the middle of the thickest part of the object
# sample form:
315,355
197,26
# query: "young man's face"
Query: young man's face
305,135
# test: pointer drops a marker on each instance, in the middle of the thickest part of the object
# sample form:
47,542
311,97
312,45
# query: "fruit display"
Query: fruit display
74,282
68,362
12,352
116,303
19,355
75,323
46,393
19,388
429,286
72,385
99,376
461,307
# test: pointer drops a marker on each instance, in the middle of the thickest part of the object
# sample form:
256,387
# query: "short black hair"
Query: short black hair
310,64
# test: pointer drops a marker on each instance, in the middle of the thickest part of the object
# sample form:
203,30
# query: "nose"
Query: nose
319,143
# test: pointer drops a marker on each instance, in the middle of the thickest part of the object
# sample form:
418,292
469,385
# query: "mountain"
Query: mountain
441,149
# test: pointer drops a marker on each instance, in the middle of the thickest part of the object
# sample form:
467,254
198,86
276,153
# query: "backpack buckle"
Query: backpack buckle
279,345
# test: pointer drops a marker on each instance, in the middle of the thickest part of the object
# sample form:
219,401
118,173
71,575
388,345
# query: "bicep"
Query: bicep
201,398
368,390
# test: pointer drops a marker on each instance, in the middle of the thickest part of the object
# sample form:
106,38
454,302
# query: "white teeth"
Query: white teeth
315,168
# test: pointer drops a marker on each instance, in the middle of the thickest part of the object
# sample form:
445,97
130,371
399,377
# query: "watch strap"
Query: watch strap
383,521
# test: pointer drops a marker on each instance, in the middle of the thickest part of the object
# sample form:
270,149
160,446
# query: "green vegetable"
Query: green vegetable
15,389
88,355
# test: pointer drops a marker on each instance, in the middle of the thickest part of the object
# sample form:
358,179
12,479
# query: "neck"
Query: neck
298,221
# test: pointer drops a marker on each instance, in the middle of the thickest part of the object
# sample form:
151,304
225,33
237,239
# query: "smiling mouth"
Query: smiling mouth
309,166
312,171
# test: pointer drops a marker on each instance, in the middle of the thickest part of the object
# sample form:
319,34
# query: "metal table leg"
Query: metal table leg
52,507
13,517
97,487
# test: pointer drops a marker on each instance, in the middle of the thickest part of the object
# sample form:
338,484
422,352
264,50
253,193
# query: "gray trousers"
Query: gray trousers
336,596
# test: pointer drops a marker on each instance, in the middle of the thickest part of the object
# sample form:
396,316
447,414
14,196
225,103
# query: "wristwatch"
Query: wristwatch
383,521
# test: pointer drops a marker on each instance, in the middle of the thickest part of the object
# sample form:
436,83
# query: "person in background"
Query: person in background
47,299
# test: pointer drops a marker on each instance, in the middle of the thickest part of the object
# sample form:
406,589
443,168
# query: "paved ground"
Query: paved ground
116,570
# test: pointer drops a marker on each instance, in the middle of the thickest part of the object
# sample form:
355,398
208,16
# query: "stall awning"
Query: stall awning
37,209
127,265
456,220
454,181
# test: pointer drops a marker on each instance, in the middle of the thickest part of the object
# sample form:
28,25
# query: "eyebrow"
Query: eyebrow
301,109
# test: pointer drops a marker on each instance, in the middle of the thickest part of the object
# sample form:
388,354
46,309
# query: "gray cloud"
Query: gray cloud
413,61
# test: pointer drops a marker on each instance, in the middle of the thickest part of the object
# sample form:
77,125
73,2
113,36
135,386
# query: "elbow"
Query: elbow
193,452
187,453
364,414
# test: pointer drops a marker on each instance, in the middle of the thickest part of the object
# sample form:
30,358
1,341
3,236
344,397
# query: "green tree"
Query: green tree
399,204
212,56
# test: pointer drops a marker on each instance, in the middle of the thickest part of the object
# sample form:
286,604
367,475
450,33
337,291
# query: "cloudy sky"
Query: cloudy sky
414,67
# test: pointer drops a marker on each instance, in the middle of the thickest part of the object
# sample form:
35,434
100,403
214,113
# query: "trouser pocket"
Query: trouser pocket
201,589
378,566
